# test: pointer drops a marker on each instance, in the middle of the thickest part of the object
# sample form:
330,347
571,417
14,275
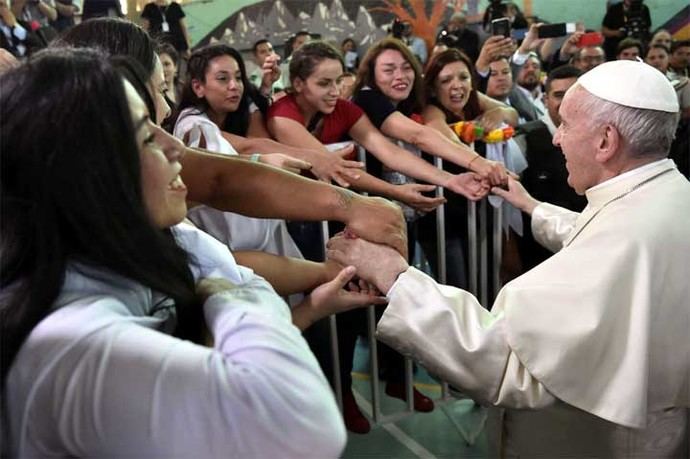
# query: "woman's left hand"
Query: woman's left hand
332,298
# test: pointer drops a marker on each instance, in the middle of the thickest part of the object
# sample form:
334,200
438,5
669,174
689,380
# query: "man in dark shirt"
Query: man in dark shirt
546,175
627,19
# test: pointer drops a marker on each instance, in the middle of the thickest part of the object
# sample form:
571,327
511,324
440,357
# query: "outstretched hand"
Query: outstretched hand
517,196
468,184
332,298
375,263
411,194
375,219
334,167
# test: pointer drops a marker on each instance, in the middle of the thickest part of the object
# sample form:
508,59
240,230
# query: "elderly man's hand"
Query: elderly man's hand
377,220
517,196
375,263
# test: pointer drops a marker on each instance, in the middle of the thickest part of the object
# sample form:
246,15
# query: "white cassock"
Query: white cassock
589,352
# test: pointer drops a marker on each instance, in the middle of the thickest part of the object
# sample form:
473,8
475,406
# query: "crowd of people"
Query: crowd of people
163,268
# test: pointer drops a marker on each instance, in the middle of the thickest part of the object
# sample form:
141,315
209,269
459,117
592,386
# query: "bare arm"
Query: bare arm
287,275
66,10
493,171
393,156
47,10
252,189
293,133
505,113
257,126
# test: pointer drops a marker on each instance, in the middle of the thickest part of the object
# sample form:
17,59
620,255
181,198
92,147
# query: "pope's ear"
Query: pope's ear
609,143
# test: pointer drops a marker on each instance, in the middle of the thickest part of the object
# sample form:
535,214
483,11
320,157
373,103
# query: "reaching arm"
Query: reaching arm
255,190
293,133
287,275
494,171
239,398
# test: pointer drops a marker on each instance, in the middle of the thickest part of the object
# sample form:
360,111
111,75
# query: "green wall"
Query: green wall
204,16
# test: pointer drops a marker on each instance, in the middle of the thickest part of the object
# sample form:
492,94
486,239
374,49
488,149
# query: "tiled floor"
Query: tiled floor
454,429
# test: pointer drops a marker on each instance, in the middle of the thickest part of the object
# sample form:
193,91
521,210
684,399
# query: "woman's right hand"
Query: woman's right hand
332,166
411,194
493,171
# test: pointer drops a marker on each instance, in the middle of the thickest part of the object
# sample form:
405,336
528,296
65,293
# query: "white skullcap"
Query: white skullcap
632,84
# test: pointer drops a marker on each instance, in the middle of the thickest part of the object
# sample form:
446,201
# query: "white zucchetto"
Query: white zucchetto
632,84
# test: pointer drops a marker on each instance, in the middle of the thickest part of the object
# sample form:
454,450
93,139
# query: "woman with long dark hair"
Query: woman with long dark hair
235,185
450,90
102,303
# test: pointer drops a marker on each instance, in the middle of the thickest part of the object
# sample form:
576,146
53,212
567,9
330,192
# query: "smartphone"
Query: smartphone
555,30
590,39
500,26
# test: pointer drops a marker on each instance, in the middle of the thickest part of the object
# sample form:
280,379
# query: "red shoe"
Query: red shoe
421,402
354,419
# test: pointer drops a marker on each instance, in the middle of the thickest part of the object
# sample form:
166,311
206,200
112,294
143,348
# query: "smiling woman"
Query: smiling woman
101,300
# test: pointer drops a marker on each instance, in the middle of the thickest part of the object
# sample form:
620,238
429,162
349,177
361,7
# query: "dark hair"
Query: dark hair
75,199
651,47
305,59
563,72
238,121
117,37
675,44
167,48
258,43
348,40
366,73
434,67
630,43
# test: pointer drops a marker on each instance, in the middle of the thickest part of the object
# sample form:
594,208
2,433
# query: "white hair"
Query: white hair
645,132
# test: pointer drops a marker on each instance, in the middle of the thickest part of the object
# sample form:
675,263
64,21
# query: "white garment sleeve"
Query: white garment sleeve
448,332
129,391
551,225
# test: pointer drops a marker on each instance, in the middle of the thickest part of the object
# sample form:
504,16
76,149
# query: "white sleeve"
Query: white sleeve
129,391
448,332
551,225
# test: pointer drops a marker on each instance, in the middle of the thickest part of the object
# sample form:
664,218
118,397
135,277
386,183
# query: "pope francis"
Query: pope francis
589,352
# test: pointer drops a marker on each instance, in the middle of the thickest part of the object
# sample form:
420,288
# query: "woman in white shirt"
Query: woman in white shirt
104,293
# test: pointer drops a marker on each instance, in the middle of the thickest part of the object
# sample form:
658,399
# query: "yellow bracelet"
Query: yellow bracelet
473,160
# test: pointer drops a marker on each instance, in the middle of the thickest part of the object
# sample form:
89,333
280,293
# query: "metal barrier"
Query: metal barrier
479,279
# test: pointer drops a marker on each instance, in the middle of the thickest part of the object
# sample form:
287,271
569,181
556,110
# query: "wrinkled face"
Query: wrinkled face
554,97
222,86
657,58
453,86
320,91
163,191
158,88
680,57
500,80
629,54
576,138
590,57
169,68
662,38
262,52
529,74
393,75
